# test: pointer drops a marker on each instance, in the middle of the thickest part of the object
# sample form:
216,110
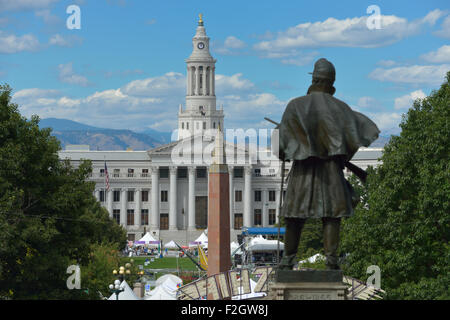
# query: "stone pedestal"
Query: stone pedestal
308,285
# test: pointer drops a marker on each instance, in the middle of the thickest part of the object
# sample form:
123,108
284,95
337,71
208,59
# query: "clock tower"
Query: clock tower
200,113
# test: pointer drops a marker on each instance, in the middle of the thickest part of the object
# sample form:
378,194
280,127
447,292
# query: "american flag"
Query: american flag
106,177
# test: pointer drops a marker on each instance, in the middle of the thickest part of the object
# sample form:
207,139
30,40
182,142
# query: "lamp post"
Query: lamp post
115,288
123,270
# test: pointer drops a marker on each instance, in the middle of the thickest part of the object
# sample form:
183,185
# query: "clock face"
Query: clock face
200,45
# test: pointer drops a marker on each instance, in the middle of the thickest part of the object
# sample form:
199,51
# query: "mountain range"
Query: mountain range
70,132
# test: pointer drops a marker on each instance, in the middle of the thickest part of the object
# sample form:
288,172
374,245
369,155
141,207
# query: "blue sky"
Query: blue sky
125,67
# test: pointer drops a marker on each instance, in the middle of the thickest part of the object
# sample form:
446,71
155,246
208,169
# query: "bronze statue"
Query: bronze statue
320,134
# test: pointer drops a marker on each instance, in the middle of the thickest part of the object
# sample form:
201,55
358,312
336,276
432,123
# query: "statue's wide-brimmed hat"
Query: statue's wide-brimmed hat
324,69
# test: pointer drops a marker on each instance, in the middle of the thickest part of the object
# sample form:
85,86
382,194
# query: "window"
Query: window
257,172
182,125
116,173
102,172
130,173
238,221
130,195
116,196
238,172
187,125
164,196
182,173
164,221
257,195
257,218
204,125
144,217
144,173
272,195
164,173
130,217
116,215
214,125
144,195
102,196
272,216
238,196
201,172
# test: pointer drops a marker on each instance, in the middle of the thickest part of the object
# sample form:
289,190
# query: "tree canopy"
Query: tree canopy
49,216
403,222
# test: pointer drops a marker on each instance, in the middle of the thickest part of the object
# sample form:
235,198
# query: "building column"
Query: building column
188,87
137,211
277,211
173,199
191,199
231,172
109,199
212,80
265,213
204,80
248,197
197,80
154,217
97,194
123,210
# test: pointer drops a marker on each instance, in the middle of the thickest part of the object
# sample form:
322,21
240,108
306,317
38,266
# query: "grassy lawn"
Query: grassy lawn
164,263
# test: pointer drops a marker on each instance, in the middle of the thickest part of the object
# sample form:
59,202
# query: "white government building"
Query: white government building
153,191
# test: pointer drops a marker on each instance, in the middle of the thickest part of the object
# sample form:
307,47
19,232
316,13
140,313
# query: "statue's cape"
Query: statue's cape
319,125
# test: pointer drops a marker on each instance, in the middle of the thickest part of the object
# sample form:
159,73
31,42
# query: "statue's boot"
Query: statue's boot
331,228
287,262
294,228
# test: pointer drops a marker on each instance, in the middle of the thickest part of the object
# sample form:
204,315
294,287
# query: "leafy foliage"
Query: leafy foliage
48,215
402,225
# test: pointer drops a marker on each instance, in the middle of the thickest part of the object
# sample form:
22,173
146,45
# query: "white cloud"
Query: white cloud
386,120
368,104
407,100
231,84
234,43
69,41
231,46
67,75
10,43
416,74
387,63
151,102
444,32
47,17
18,5
441,55
350,32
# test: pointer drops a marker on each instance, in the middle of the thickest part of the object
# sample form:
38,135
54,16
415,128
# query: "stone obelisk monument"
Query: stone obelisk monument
219,255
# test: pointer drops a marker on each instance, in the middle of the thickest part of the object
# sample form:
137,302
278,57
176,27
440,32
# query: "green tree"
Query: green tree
402,224
48,215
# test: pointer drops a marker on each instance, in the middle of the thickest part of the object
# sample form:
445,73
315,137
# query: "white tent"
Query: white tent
127,294
201,240
261,244
250,295
233,246
315,258
161,293
171,245
173,278
147,239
